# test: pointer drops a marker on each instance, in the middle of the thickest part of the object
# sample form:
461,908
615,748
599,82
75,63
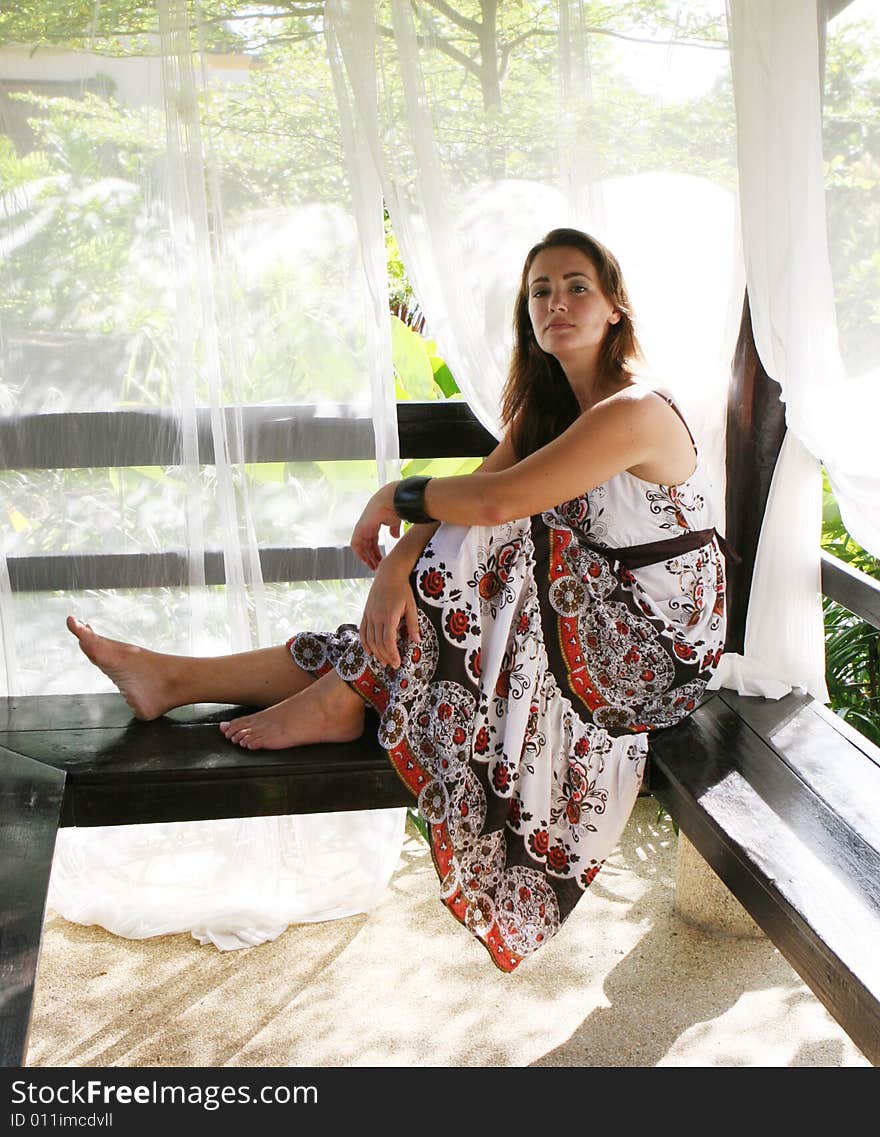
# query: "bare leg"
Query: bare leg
327,711
153,683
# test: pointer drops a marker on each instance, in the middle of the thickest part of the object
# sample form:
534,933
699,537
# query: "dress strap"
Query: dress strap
671,402
654,552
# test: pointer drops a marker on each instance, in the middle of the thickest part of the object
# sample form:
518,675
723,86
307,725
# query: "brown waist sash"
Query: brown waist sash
653,552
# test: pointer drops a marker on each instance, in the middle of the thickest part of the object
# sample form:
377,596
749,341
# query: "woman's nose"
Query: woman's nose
557,302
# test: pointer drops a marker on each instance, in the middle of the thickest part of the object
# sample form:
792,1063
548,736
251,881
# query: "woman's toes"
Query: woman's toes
236,730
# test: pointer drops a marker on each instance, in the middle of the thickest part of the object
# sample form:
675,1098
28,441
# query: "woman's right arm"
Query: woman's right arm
391,598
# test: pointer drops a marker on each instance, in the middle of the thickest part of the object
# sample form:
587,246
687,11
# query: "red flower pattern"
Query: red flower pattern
432,583
558,859
501,777
539,842
489,586
457,623
589,875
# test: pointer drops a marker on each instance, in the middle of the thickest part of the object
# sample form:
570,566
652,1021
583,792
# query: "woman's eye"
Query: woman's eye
579,288
538,293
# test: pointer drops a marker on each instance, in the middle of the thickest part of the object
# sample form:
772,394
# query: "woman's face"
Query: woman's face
569,312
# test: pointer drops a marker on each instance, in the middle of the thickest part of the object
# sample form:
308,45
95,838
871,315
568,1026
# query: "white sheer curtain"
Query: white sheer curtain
491,125
830,419
187,228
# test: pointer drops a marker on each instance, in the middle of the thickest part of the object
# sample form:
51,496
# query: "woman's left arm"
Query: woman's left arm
618,433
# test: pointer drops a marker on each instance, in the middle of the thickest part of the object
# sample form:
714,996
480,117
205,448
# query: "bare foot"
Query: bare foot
140,675
328,711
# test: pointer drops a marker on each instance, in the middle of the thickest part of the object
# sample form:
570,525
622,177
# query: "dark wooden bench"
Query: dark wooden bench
781,798
783,801
83,760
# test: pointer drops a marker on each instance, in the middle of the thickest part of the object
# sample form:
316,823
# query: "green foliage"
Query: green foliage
420,824
419,372
413,374
400,292
495,65
76,197
121,27
274,140
852,647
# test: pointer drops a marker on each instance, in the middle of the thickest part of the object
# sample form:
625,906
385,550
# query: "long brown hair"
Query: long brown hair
537,397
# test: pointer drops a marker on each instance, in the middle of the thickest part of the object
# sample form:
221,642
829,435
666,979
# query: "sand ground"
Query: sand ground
625,983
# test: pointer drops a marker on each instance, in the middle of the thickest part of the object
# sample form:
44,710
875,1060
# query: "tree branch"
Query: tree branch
441,45
507,49
450,13
272,14
713,44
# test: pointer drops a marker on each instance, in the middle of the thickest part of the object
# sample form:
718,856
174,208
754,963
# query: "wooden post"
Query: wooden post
755,430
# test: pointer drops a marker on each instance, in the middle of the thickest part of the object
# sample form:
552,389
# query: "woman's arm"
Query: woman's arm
411,546
630,430
391,600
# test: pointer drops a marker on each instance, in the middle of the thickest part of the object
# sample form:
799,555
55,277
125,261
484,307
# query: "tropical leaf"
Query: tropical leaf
852,647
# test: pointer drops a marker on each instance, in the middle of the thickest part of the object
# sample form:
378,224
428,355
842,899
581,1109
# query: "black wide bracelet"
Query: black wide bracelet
409,500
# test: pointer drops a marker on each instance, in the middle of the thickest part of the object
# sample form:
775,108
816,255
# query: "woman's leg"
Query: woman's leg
153,683
326,711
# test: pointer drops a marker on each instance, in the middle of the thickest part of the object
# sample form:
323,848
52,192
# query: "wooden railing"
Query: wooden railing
255,434
299,433
852,589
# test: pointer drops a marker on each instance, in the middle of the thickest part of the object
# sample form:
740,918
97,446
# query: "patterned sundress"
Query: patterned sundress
551,647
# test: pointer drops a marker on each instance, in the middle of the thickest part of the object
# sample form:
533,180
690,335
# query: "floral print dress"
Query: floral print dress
551,647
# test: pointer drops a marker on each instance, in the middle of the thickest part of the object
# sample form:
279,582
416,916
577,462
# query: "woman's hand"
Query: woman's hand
379,511
390,601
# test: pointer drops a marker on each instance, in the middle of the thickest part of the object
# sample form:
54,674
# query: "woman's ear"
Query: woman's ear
614,318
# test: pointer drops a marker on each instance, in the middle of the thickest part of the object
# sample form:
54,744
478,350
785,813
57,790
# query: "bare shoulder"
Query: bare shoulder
644,408
669,449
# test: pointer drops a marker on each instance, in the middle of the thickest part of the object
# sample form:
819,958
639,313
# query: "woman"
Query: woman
518,650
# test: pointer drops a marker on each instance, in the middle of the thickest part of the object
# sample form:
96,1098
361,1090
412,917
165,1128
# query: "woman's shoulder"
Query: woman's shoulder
650,402
652,398
645,389
649,412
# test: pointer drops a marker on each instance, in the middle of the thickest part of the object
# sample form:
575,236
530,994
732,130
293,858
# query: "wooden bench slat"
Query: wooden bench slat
66,712
181,768
809,879
30,808
840,765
